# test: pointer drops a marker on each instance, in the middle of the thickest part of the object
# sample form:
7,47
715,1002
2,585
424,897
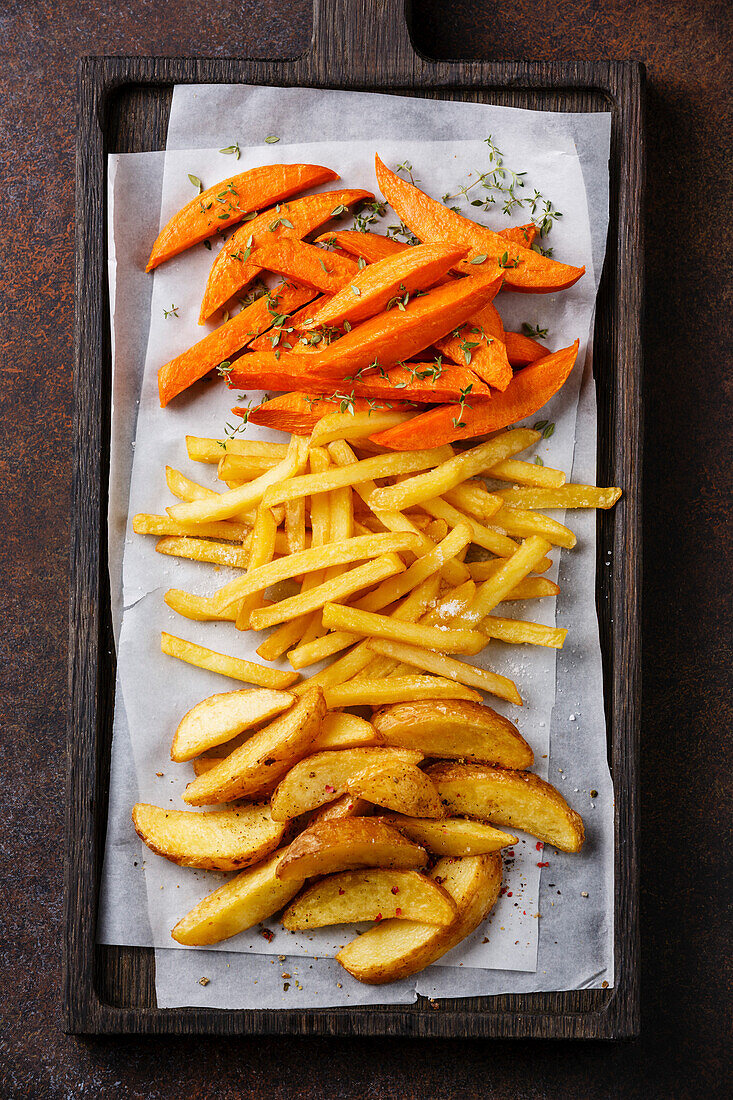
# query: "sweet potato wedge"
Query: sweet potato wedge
315,267
221,717
346,845
480,344
522,350
394,949
227,202
218,840
299,413
523,269
455,729
451,836
370,895
518,799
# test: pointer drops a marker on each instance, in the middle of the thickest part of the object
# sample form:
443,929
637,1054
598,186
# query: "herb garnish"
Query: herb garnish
172,312
232,150
271,139
458,422
534,331
196,182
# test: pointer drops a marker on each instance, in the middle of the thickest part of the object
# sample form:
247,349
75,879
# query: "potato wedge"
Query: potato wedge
255,769
346,845
326,776
217,719
454,729
518,799
251,897
349,805
452,836
394,949
370,895
221,840
401,787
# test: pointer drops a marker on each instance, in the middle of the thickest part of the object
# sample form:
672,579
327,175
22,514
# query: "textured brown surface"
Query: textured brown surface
687,51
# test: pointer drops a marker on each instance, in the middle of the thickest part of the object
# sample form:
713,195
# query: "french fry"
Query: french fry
224,530
205,449
530,588
370,624
526,473
567,496
389,465
216,553
359,693
449,668
471,497
234,667
199,608
221,840
363,576
256,767
261,551
517,521
244,467
247,496
497,588
218,719
368,894
454,470
318,557
419,571
357,426
340,671
451,605
487,537
518,631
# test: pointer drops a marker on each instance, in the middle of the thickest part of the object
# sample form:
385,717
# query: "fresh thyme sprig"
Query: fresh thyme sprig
534,331
458,421
232,150
172,312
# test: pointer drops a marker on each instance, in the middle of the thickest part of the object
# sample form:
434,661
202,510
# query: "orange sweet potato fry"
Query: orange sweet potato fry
480,343
233,268
527,392
397,335
426,383
299,413
371,247
229,338
523,269
289,256
228,202
388,283
523,235
287,337
522,350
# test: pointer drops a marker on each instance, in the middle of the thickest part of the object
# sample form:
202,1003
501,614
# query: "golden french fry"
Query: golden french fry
451,605
401,787
218,553
517,521
346,845
351,664
517,631
394,949
420,570
357,426
473,498
568,496
498,587
449,668
389,465
454,470
454,729
484,536
451,836
363,576
256,767
261,551
205,449
526,473
360,693
220,840
228,504
338,617
530,588
219,718
287,634
199,608
251,897
234,667
225,529
326,776
186,489
317,557
368,895
245,467
518,799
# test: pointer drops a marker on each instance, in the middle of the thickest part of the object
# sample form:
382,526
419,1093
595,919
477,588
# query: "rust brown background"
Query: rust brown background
687,593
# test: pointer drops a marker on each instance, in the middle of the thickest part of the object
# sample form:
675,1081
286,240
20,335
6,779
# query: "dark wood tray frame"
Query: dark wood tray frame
123,105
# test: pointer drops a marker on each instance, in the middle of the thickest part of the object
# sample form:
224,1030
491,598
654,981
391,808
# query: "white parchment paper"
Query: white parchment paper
154,691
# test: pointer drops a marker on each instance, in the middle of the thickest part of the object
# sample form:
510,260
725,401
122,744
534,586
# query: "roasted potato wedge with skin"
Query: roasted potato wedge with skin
401,787
251,897
370,895
256,768
454,729
217,719
347,845
325,776
220,840
518,799
452,836
394,949
349,805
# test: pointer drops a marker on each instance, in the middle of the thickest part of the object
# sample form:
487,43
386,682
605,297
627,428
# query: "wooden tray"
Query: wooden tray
123,107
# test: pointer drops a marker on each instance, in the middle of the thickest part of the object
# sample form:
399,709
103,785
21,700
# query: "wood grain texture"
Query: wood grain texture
123,105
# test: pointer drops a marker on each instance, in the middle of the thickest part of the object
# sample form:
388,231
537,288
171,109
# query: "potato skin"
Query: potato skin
348,844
